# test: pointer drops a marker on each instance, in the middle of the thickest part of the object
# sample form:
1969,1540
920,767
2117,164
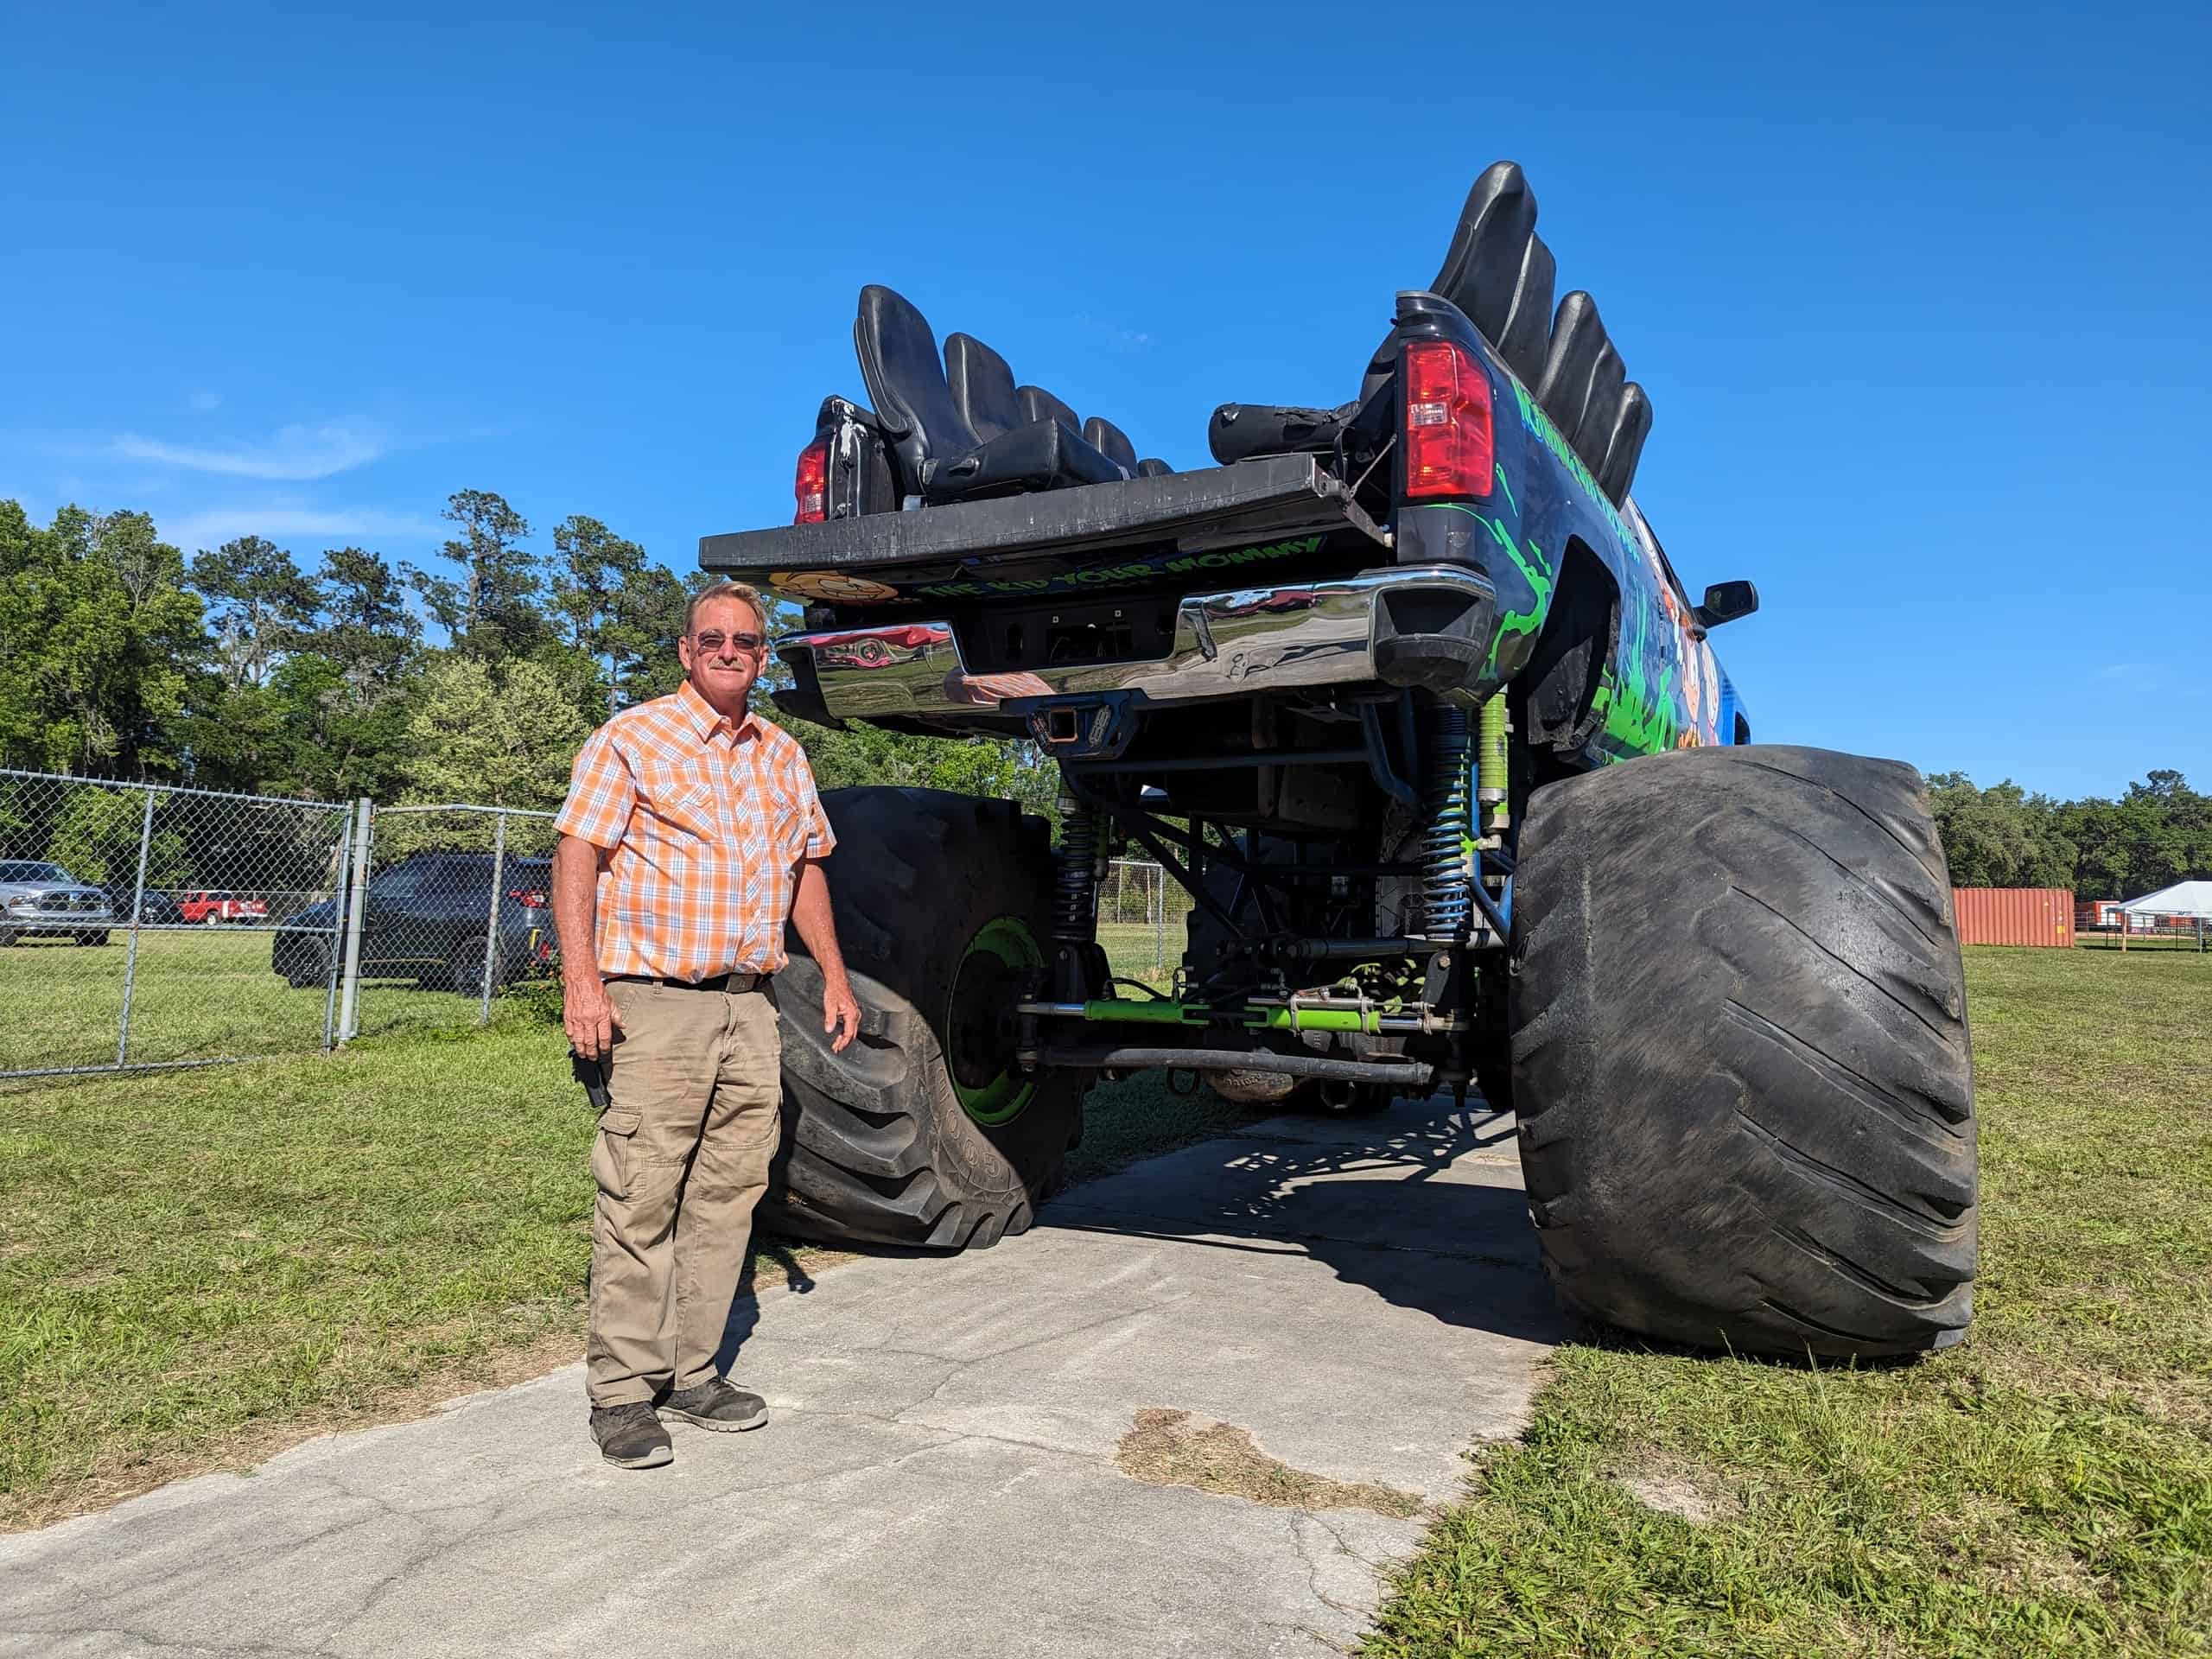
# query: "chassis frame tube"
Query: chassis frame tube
1374,1022
1414,1076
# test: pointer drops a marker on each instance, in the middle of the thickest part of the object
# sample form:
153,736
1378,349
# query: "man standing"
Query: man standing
690,833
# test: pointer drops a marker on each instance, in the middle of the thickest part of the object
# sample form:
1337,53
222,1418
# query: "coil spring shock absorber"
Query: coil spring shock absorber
1074,874
1447,906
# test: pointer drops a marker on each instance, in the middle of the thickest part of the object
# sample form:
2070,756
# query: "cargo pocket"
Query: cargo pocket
612,1155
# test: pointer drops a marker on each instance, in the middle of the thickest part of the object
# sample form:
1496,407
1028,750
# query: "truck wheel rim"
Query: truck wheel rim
980,1024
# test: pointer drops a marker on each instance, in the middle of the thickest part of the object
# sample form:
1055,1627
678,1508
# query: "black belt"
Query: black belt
735,984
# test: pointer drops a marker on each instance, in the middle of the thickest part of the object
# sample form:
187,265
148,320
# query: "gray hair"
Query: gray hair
725,589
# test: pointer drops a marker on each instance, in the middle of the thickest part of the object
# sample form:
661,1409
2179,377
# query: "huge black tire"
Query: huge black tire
922,1132
1739,1053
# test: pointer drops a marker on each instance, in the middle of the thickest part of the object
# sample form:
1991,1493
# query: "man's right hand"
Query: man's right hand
589,1016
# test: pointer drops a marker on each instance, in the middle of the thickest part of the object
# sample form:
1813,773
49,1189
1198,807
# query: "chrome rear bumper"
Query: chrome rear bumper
1232,644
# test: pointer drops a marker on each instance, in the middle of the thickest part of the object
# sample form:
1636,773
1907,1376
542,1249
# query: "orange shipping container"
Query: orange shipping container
2014,915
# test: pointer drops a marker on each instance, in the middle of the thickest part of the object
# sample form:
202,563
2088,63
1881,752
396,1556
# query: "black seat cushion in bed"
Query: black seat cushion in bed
937,453
906,382
1582,359
1039,405
1109,440
1044,454
982,386
1631,426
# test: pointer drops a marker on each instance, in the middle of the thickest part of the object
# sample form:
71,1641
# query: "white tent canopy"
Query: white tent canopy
2183,898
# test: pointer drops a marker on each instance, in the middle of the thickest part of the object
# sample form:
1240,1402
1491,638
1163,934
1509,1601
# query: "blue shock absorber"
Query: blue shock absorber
1447,842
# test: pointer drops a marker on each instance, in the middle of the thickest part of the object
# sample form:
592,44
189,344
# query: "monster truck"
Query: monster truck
1405,692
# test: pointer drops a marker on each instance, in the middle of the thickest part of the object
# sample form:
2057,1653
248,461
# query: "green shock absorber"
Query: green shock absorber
1489,766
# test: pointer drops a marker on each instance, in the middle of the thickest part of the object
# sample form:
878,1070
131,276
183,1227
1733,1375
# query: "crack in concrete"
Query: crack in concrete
1313,1570
949,1436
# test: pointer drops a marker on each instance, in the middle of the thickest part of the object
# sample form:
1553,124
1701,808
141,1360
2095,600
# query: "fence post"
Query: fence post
341,902
137,907
349,1009
1159,920
492,927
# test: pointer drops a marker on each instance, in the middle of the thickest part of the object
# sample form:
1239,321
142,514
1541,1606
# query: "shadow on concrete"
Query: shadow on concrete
1414,1203
767,1255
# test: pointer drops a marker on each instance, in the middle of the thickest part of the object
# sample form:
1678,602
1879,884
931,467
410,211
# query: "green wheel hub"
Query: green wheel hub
980,1026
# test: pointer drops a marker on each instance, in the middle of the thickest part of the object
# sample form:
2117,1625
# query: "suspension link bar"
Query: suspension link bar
1295,1015
1400,1074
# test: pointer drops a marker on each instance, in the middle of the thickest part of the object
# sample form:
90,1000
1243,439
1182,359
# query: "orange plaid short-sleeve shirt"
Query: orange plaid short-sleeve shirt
703,826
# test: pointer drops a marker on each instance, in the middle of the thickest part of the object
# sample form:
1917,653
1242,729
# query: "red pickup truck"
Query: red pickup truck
211,908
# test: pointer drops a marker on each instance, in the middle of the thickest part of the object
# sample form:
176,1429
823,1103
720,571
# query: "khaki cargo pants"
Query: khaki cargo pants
695,1091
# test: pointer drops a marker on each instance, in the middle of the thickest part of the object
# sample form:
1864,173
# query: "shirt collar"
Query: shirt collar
705,719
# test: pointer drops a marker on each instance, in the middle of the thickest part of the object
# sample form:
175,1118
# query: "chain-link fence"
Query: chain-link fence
137,924
1141,913
458,902
145,926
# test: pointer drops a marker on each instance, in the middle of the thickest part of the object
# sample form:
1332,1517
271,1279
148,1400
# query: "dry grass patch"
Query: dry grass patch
1173,1448
1676,1487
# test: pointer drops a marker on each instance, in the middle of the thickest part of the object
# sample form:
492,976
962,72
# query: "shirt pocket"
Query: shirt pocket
687,795
787,819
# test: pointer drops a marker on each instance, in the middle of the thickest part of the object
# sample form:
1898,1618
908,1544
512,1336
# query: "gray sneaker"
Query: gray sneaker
630,1437
714,1404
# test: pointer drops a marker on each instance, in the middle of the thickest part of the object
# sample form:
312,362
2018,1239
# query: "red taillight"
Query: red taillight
1447,420
528,897
810,486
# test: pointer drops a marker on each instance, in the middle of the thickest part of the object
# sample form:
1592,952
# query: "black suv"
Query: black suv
429,919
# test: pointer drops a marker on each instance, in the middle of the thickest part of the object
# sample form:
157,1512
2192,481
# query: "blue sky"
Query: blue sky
1921,294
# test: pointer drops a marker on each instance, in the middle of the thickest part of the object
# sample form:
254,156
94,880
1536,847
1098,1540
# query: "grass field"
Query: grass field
199,994
2044,1489
1141,951
198,1267
205,993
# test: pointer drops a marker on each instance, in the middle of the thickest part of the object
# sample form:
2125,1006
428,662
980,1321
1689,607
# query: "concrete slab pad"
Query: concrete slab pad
939,1476
1422,1177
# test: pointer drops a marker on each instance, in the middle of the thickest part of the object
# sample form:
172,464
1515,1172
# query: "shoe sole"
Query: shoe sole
718,1425
652,1459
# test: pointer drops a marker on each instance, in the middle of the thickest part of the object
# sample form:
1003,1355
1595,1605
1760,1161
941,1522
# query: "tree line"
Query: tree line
2158,833
474,678
239,669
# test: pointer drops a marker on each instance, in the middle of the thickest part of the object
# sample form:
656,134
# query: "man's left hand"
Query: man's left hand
841,1015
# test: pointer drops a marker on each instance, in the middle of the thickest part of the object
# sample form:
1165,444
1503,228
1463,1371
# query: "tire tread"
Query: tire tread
1741,1069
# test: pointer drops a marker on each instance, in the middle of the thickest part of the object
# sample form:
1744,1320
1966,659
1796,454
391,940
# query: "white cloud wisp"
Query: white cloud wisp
295,455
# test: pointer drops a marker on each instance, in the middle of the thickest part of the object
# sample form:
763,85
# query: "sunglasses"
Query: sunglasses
712,642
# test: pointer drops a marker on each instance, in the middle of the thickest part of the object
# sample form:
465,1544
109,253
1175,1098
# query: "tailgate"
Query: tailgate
1178,513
